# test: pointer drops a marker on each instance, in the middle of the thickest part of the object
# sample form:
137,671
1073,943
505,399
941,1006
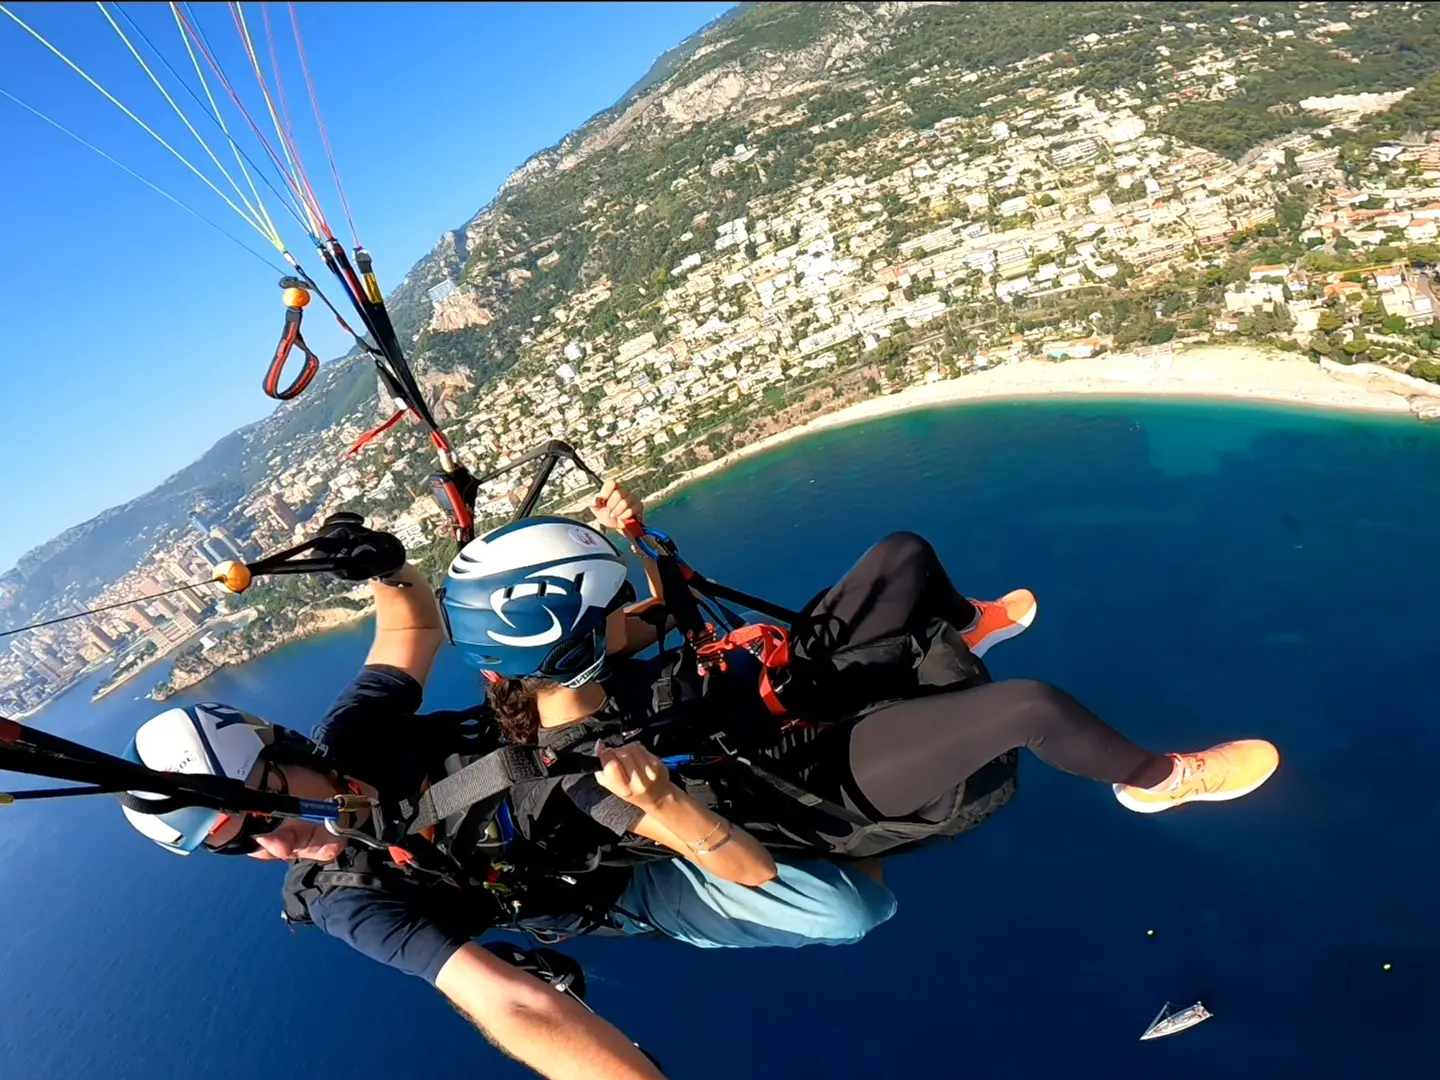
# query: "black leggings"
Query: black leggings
906,756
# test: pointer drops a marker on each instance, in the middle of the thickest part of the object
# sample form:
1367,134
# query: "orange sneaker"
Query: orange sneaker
1000,620
1228,771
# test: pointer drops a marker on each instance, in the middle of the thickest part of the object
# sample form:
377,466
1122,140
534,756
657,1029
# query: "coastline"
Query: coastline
1206,372
312,622
140,669
1218,372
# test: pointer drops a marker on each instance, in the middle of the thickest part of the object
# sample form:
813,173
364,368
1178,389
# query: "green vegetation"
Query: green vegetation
1233,126
1398,44
927,64
1429,370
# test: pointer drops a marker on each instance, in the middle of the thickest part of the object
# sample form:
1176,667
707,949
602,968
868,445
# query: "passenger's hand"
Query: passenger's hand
634,774
616,506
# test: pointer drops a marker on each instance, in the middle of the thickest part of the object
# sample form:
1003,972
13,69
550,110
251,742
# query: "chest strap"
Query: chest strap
488,777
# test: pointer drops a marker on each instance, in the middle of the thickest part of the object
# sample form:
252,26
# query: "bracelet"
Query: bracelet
700,847
696,845
729,835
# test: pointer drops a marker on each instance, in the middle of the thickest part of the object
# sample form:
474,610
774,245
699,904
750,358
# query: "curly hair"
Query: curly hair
516,708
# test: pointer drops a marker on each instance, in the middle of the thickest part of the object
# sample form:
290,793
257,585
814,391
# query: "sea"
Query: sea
1205,571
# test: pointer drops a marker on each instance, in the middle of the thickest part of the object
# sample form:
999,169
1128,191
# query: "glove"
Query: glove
361,553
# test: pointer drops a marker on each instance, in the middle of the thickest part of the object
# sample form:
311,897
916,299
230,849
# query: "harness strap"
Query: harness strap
374,433
346,879
494,774
769,644
681,601
805,798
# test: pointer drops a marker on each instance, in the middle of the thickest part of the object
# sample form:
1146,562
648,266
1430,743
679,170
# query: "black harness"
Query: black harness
499,836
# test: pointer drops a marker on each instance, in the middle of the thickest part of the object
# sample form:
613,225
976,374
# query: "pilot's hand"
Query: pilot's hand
360,553
615,506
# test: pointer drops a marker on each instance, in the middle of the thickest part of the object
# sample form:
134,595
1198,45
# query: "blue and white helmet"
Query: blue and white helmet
530,599
208,739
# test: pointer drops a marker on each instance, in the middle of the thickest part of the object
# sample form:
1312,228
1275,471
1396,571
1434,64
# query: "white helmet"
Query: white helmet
531,599
208,739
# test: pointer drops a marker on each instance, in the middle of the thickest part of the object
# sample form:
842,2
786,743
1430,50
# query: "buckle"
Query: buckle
663,697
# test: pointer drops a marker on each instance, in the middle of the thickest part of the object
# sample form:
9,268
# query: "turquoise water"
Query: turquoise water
1205,571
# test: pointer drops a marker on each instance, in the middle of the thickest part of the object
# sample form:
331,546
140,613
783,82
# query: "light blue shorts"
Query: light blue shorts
811,902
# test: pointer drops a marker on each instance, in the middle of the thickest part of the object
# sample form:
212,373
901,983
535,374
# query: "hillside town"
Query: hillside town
920,255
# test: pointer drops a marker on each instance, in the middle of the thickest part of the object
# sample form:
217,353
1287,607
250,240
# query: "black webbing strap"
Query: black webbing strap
805,798
681,601
347,879
34,752
494,774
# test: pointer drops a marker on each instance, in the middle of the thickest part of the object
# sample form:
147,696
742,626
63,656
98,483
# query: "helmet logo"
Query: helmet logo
527,590
224,715
584,537
530,640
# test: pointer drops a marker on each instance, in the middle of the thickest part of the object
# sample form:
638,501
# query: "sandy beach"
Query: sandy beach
1208,371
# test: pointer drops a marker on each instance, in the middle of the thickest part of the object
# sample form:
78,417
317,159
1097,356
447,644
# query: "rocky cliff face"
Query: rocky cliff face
731,71
588,234
460,309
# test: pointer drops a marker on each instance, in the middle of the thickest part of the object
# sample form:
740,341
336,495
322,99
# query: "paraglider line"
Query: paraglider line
144,126
320,121
259,215
288,200
289,132
103,607
296,174
212,113
148,183
198,37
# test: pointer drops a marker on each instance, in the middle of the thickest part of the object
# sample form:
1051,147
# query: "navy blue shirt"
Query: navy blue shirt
374,735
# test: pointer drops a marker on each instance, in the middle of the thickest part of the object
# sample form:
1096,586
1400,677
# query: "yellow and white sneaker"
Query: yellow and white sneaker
1231,770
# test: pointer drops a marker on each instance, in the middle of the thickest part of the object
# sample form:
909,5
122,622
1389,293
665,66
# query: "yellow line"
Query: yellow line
147,128
220,118
311,212
256,216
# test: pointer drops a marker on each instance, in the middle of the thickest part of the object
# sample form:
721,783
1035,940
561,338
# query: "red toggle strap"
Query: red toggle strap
371,436
289,339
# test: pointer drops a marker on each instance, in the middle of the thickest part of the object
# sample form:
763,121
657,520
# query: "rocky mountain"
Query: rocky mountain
588,234
602,218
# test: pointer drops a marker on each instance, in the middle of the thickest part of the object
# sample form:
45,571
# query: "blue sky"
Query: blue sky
136,335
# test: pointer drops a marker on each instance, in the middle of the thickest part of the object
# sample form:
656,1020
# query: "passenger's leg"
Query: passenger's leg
905,756
896,587
811,902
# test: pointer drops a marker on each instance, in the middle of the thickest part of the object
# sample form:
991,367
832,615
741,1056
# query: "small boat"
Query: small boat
1170,1021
